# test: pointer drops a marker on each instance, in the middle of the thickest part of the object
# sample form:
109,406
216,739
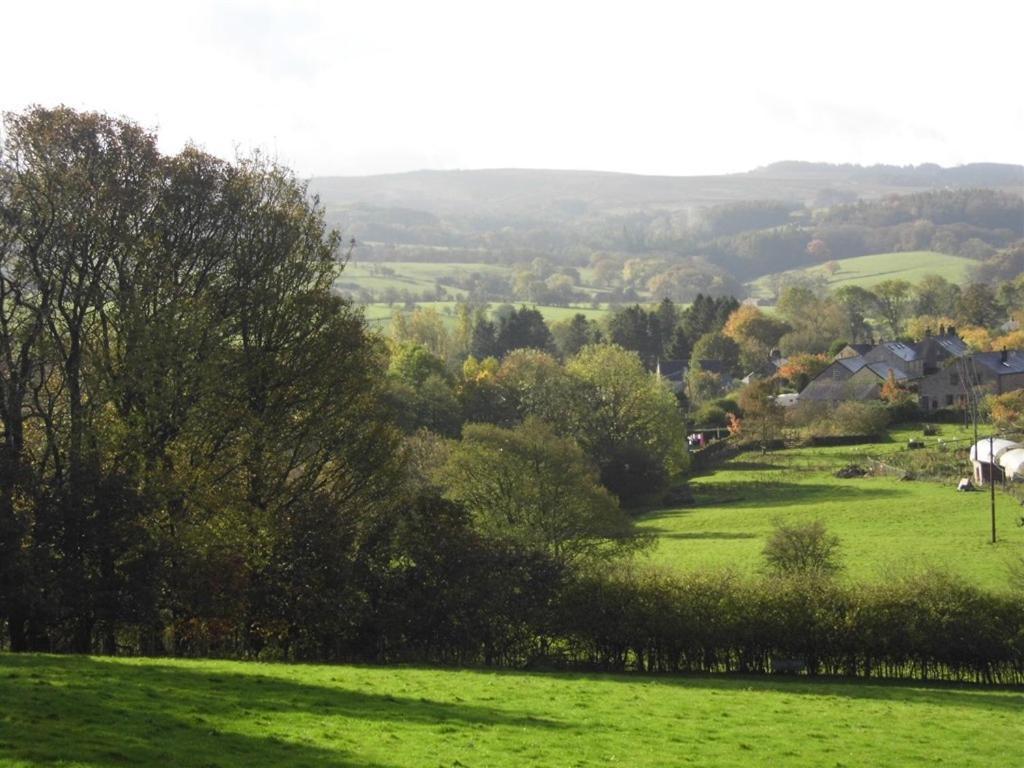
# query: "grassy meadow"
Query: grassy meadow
380,314
867,271
887,526
98,712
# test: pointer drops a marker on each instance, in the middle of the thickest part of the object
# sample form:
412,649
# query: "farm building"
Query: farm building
998,458
850,378
990,372
940,369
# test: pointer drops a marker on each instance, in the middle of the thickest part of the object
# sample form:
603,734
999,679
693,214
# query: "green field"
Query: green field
378,315
867,271
888,527
96,712
415,277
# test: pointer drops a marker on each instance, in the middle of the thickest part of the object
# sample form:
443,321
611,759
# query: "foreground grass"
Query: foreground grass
109,712
887,527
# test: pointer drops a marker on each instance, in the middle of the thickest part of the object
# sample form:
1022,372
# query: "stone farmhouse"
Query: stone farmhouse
940,369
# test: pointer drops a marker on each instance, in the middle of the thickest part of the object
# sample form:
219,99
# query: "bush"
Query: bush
710,415
930,626
802,548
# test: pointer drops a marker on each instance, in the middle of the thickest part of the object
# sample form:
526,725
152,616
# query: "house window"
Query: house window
949,399
953,379
935,403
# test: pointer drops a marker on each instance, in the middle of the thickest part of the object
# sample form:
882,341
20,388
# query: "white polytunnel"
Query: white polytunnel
1012,462
999,446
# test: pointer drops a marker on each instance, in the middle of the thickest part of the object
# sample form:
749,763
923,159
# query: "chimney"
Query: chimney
942,330
1003,355
951,331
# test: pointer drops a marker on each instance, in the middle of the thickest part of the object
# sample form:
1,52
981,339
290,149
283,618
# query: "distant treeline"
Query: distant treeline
730,242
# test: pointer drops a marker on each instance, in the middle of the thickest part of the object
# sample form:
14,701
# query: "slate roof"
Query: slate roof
952,344
860,349
903,351
854,364
830,389
993,361
882,369
714,366
673,370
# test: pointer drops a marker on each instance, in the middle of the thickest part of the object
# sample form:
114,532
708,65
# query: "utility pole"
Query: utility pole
992,484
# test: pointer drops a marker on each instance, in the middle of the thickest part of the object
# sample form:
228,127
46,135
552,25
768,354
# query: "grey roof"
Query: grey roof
829,389
860,349
994,362
903,351
673,370
952,344
714,366
854,364
882,369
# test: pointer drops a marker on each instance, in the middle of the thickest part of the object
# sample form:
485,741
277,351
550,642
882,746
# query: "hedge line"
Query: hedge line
928,627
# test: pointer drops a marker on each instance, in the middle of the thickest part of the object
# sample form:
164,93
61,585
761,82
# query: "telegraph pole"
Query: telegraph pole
992,484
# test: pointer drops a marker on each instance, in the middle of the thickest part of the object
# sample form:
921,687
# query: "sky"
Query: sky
675,88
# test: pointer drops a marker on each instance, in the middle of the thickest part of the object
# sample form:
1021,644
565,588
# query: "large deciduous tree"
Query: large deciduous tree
529,486
180,392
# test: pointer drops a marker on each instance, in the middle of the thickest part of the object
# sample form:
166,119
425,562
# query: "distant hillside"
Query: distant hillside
868,271
561,195
992,175
662,235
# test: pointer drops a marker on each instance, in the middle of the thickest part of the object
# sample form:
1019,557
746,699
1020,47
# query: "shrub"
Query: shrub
802,548
710,415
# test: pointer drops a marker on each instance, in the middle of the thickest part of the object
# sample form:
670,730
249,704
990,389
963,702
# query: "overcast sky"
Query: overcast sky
661,88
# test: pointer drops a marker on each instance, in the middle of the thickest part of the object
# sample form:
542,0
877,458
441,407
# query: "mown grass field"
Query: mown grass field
867,271
79,711
887,527
379,315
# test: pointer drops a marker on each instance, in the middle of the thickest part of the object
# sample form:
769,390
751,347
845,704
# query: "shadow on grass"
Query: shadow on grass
746,494
997,698
661,533
750,466
97,712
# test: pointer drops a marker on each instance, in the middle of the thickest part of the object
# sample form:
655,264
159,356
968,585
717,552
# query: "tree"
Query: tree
894,394
855,304
892,302
716,346
574,334
532,383
627,421
756,334
522,328
818,250
802,549
529,486
935,295
762,415
412,363
1007,410
977,306
483,343
184,399
799,369
635,329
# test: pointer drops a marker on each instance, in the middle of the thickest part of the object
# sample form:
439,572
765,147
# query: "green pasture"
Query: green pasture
867,271
379,315
98,712
888,527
